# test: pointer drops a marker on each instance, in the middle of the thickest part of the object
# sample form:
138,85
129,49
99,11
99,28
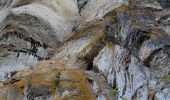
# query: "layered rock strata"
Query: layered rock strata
84,49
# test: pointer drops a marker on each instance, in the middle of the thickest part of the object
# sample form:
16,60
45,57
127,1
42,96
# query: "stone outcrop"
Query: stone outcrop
84,49
138,62
49,80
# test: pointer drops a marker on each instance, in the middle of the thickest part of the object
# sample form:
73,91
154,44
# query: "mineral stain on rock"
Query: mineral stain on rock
84,50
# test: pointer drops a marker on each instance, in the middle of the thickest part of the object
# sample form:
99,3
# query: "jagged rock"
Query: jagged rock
140,58
28,41
104,63
97,8
85,49
80,50
100,87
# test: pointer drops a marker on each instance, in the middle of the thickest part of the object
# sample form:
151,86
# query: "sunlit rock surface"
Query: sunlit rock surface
84,50
24,42
51,81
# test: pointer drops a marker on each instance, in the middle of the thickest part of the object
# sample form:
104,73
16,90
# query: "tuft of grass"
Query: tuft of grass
5,97
167,77
114,90
124,98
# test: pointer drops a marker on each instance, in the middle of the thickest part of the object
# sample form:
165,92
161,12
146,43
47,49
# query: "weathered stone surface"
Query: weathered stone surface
24,42
104,60
100,87
140,63
84,49
80,50
49,80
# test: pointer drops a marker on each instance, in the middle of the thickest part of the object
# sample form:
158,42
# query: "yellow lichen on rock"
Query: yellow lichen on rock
61,84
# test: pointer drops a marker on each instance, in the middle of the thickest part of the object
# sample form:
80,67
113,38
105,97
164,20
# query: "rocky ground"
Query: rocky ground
84,50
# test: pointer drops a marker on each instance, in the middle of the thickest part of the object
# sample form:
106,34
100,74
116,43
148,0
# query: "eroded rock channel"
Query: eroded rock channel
84,50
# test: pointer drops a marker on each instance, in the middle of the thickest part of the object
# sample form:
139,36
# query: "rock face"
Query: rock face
51,81
138,63
84,49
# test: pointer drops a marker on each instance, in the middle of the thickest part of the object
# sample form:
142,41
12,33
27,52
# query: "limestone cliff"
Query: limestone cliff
84,50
